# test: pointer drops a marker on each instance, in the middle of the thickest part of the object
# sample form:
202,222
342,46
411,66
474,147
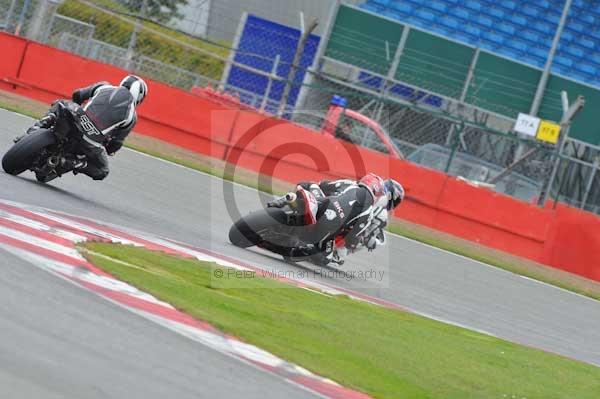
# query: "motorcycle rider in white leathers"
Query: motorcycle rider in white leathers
111,113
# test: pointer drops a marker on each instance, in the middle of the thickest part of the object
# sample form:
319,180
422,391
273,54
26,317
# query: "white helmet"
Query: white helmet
136,86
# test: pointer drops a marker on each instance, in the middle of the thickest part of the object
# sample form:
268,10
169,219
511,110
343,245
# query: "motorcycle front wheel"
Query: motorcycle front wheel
21,156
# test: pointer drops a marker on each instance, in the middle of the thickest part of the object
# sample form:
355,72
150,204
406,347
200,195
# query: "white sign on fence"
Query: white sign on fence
527,124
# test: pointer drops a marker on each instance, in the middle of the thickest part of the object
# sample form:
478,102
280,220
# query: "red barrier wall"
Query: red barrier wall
565,238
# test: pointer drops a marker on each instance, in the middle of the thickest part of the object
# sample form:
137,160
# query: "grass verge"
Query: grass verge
385,353
250,179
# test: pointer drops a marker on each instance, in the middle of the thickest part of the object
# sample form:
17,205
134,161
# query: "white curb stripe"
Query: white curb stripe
85,228
67,235
39,242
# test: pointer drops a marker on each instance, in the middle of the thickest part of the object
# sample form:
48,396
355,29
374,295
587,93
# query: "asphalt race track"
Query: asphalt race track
59,338
60,341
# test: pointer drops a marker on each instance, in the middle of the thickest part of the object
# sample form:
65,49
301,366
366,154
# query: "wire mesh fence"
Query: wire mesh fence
435,139
578,177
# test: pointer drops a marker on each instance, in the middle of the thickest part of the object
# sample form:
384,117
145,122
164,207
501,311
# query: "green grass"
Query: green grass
385,353
23,110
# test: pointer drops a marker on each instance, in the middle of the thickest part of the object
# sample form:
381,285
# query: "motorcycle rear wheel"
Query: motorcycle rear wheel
245,232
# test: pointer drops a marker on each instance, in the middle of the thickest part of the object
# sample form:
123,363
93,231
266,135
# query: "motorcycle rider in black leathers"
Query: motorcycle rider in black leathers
112,109
349,208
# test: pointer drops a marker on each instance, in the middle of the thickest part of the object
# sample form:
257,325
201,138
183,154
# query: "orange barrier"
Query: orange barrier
565,238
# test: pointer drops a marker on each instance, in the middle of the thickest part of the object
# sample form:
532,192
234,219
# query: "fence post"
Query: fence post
48,30
539,94
588,187
235,46
133,38
317,62
35,29
391,75
89,41
9,14
470,75
456,142
273,75
295,65
22,15
565,125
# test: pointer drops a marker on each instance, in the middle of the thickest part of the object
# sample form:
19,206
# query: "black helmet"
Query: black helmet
136,86
395,193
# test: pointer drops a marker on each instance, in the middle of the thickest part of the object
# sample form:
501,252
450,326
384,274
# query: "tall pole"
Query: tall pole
22,16
309,77
539,94
133,38
295,64
588,187
9,14
391,75
565,125
236,45
470,75
273,75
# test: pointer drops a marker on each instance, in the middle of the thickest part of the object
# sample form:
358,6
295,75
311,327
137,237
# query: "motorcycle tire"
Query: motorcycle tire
245,232
21,156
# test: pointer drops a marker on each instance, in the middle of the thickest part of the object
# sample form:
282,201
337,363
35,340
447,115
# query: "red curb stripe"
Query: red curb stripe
332,391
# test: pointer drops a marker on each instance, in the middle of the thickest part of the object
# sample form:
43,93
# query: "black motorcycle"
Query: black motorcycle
280,230
51,152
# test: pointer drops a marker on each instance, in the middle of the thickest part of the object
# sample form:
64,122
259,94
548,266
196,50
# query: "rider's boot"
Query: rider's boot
74,164
302,251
